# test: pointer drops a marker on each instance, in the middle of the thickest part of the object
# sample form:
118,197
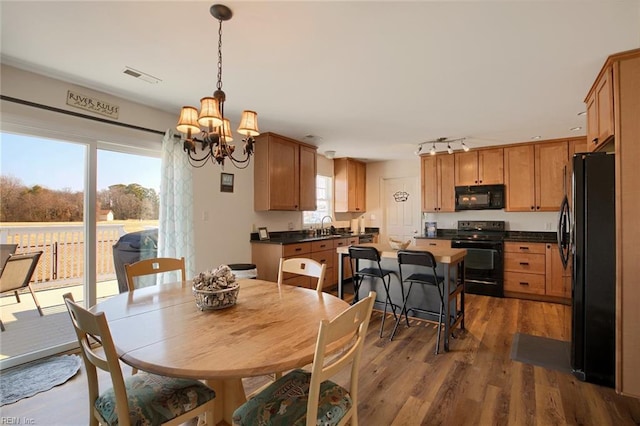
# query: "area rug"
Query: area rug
541,351
38,376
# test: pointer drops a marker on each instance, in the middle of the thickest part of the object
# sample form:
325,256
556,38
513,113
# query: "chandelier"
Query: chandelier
209,128
433,143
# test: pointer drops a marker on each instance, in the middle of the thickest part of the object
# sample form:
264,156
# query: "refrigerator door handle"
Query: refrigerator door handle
564,229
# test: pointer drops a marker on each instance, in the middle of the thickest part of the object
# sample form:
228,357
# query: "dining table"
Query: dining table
451,266
270,328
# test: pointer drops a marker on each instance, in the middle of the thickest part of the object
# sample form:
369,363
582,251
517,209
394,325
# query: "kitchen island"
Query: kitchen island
450,265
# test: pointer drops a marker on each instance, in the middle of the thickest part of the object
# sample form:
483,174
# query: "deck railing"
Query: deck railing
62,260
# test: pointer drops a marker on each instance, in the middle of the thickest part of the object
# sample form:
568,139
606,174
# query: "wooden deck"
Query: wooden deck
27,332
404,383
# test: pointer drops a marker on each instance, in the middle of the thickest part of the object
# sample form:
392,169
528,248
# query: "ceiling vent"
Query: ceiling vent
142,76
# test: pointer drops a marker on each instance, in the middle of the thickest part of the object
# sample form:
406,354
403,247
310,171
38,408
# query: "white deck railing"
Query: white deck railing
62,259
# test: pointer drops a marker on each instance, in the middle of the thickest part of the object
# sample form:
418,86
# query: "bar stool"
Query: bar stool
425,275
356,254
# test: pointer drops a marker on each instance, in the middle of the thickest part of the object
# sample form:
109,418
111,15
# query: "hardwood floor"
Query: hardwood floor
404,383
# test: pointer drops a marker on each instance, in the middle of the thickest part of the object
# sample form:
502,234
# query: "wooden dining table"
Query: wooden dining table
270,329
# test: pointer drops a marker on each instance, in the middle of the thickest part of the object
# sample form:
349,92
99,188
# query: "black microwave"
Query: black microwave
479,197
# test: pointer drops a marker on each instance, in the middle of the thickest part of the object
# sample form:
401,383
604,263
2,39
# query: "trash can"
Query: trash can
244,271
130,248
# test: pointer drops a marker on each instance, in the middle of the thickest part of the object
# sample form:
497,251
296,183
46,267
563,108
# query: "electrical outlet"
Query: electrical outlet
290,226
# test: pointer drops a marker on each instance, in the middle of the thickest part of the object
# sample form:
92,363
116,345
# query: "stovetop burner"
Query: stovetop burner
481,230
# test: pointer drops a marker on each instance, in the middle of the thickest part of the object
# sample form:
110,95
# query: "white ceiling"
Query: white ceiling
369,80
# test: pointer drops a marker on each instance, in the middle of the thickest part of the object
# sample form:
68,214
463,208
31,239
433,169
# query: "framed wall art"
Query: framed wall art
226,182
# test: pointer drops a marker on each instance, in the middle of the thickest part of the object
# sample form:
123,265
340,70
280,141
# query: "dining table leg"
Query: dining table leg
229,396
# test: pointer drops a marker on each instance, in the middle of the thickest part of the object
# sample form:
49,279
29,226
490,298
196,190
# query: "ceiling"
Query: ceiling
369,80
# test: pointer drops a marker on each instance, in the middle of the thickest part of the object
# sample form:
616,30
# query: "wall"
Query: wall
378,171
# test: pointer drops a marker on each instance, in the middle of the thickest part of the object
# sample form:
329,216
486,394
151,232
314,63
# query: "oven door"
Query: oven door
484,266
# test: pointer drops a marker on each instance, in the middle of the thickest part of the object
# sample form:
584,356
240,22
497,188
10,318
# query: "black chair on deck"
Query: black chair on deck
356,254
424,263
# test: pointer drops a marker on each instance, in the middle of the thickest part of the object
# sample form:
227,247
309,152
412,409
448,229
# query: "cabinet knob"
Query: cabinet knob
537,207
533,208
475,181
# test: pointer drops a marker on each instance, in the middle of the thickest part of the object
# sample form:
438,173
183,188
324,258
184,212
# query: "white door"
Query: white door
401,209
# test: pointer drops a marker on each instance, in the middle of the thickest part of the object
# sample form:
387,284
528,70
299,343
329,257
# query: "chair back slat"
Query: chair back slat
364,253
416,257
151,266
303,266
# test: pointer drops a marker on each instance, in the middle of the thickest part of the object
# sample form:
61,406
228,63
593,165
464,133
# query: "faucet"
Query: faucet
322,222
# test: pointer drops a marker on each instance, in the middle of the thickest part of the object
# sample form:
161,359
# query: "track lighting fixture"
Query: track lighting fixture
433,143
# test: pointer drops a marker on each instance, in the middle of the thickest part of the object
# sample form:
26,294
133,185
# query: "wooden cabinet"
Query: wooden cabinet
438,183
284,174
534,176
266,257
350,179
535,269
558,279
481,167
600,110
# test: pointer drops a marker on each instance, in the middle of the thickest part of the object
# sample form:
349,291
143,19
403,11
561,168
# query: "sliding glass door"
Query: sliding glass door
72,201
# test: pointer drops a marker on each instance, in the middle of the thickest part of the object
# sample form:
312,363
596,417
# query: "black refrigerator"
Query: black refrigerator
593,287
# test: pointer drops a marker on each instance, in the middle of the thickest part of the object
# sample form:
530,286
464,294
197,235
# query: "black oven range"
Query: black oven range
484,264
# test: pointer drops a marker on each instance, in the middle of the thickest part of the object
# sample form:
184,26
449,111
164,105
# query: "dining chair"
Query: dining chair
309,397
141,399
302,266
424,273
151,266
6,250
373,270
16,276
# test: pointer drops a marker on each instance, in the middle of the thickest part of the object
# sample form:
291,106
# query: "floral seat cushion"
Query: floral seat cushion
284,403
154,400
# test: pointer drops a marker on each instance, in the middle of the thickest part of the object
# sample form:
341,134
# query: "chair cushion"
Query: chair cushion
154,399
284,403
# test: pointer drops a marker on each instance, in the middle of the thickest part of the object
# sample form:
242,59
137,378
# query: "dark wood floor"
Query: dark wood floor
404,383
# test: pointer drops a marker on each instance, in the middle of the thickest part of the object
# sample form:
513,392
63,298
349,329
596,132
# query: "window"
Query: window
324,202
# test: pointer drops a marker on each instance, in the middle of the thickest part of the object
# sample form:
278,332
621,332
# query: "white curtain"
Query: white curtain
175,233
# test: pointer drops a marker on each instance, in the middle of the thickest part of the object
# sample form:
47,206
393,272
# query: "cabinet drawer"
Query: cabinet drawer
353,241
421,242
524,283
329,279
522,262
293,250
515,247
340,242
321,245
327,257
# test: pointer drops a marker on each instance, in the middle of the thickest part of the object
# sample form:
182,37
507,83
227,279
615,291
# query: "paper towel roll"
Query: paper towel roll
354,226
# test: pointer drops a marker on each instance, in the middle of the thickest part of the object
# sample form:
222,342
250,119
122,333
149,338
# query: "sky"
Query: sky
59,165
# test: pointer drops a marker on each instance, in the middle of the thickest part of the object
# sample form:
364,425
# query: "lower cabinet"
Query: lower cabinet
346,268
535,270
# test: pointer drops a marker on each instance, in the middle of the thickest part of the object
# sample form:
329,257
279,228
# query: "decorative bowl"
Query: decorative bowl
215,289
399,245
216,299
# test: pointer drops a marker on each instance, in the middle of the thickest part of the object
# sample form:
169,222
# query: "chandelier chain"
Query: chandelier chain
219,83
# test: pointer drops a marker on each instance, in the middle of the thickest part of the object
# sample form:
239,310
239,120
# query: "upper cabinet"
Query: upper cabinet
600,114
535,176
438,183
350,179
284,174
481,167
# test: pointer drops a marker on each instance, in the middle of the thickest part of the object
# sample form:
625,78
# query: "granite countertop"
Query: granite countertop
519,236
293,237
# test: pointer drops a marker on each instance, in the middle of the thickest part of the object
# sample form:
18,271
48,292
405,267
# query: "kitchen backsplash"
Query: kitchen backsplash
515,221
